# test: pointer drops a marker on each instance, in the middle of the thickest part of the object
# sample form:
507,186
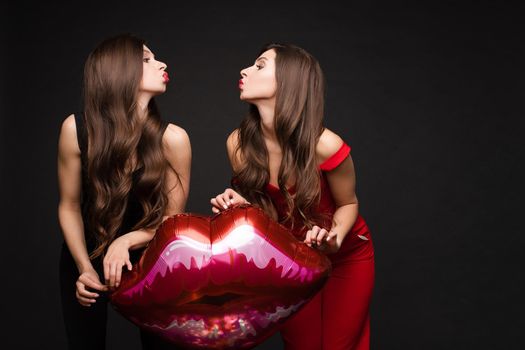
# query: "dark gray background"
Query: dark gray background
428,96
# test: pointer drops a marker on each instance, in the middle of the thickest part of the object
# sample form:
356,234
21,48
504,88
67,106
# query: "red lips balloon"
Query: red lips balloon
221,282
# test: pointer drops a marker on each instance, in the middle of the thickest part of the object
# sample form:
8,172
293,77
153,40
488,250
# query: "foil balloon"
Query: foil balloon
222,282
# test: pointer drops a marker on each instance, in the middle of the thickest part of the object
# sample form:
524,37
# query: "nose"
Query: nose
163,66
243,73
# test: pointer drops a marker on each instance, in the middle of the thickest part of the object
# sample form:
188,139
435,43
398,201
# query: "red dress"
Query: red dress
338,316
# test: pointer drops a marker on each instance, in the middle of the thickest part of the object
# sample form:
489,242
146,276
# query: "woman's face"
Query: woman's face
258,81
154,75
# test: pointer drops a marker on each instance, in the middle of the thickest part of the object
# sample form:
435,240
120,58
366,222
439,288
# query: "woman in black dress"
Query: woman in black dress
121,171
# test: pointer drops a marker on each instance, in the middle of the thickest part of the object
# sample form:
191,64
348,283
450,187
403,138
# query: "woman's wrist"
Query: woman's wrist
137,239
124,241
83,267
336,234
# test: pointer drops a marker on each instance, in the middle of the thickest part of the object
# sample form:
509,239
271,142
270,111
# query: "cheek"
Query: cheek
265,85
148,81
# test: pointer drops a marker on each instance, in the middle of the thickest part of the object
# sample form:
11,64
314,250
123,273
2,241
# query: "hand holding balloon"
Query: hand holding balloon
115,259
226,200
320,238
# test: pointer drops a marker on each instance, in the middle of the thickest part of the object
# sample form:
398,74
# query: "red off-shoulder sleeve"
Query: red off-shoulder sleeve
335,159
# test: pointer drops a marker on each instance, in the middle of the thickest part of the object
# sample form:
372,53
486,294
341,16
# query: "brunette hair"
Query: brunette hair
120,141
299,111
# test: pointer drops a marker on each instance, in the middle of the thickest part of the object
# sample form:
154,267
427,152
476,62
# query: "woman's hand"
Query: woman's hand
320,238
88,279
115,259
226,200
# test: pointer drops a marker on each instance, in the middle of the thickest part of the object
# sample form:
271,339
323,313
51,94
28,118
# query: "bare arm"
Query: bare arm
69,213
342,185
69,183
341,181
177,150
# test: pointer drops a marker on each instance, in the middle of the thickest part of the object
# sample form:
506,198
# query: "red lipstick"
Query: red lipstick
166,77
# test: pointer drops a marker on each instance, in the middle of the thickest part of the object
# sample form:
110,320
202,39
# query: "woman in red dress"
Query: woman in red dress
302,174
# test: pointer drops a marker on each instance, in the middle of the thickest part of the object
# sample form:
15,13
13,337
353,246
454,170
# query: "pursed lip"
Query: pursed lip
244,281
166,77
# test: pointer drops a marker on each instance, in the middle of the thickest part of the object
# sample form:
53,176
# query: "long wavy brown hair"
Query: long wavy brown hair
120,141
299,111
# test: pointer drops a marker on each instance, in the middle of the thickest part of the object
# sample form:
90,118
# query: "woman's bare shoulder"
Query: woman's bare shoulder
233,140
234,154
175,136
329,143
68,135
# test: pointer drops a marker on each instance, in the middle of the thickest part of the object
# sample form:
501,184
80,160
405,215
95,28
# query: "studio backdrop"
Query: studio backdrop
429,97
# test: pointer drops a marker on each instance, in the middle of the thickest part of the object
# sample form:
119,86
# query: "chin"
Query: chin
159,91
243,97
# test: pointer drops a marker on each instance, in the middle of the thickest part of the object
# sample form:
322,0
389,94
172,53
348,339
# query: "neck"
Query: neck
142,102
267,113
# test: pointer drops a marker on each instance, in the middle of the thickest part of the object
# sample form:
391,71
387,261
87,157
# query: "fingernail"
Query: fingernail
225,206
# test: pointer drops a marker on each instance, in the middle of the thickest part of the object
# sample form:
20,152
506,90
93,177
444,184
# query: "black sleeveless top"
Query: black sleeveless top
134,210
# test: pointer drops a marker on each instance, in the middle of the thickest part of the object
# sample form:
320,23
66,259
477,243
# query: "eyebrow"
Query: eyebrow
261,58
149,52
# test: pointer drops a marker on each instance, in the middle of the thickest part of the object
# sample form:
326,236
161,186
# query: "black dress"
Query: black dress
86,326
